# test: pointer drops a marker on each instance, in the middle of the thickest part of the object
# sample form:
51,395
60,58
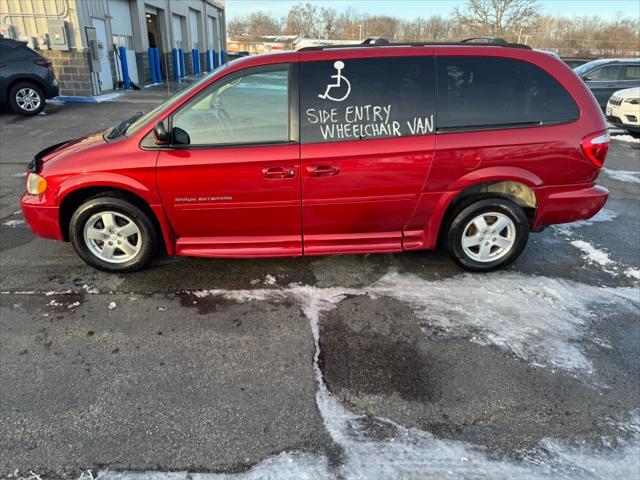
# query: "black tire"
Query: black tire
462,218
93,206
13,100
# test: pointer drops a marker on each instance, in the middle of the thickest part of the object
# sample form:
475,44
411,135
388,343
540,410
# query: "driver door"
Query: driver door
230,181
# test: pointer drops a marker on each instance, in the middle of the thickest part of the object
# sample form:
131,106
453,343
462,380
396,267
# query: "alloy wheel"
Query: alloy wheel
112,237
488,237
28,99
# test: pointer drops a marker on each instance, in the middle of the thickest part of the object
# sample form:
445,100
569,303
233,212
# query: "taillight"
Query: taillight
596,146
43,63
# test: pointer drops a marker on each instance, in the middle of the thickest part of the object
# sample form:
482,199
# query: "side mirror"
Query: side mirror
587,78
160,134
180,137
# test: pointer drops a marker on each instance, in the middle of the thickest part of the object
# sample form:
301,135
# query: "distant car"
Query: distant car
623,109
548,52
574,62
604,77
26,78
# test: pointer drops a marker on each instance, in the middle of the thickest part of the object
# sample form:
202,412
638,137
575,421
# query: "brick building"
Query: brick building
82,37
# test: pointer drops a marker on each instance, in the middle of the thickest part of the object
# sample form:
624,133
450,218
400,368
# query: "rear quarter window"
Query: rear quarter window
485,91
359,99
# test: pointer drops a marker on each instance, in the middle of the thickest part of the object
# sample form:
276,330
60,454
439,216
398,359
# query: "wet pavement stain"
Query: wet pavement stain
204,304
378,361
365,361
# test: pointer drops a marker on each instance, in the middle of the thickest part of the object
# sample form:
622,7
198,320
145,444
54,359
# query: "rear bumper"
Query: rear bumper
52,88
43,220
568,203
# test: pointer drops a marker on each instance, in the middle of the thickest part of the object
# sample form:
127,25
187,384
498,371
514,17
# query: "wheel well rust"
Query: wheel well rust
517,192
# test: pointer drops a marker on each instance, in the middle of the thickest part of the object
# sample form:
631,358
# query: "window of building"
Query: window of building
194,28
484,91
177,30
359,99
125,41
246,109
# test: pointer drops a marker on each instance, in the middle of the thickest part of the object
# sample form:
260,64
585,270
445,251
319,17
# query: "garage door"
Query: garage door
122,32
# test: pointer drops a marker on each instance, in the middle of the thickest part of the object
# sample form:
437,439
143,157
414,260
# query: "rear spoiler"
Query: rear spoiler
37,159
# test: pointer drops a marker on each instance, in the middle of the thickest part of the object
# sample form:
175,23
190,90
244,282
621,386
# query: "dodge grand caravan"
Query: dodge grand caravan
364,148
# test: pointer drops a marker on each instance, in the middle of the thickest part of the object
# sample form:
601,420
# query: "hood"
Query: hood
55,153
628,93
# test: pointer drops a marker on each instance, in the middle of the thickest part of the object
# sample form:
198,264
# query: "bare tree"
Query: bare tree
497,17
514,20
303,20
381,26
257,23
329,23
238,26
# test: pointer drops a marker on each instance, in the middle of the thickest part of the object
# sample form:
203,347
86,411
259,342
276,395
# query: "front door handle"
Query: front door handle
275,173
322,171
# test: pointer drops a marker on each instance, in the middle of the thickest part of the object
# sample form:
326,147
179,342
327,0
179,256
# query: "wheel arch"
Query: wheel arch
28,79
73,198
519,191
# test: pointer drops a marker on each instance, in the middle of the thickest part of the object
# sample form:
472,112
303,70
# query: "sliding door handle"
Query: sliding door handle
322,171
275,173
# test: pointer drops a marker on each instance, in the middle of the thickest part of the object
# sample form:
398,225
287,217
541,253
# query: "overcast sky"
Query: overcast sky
409,9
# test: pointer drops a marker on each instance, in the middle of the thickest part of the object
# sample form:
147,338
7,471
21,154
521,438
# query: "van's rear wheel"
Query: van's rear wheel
488,234
112,234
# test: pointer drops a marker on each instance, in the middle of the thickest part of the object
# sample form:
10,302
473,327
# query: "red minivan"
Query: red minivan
328,150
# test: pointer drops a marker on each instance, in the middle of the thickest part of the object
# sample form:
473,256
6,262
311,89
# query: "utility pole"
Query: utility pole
360,35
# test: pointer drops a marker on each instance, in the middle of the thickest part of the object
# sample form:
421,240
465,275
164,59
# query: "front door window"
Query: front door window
249,109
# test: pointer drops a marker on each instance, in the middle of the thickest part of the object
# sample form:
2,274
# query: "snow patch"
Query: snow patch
632,273
626,138
13,223
592,254
603,215
623,175
536,317
540,319
90,289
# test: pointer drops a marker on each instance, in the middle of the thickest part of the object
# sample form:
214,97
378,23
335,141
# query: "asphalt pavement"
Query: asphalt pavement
356,366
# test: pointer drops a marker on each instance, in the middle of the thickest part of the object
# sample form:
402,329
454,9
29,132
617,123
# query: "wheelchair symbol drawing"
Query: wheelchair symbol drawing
341,81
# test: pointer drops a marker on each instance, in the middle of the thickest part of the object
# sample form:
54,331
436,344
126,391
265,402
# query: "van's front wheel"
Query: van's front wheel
112,234
488,234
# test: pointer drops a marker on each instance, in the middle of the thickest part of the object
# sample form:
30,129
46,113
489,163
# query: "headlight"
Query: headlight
36,184
632,101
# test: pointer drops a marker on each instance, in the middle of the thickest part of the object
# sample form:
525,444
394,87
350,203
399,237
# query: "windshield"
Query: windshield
584,68
170,102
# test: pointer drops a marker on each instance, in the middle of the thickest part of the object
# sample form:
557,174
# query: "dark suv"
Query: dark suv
26,78
604,77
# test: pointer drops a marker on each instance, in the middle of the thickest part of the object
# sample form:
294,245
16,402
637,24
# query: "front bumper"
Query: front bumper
43,220
625,115
568,203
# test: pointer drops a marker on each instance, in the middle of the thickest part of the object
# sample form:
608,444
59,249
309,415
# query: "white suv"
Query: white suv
623,109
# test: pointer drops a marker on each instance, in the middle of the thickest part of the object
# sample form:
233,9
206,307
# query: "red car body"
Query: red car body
373,195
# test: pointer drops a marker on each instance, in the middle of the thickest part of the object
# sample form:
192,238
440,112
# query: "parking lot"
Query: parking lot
361,366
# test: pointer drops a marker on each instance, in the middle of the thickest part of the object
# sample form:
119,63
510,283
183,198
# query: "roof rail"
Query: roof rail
383,42
376,41
486,39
